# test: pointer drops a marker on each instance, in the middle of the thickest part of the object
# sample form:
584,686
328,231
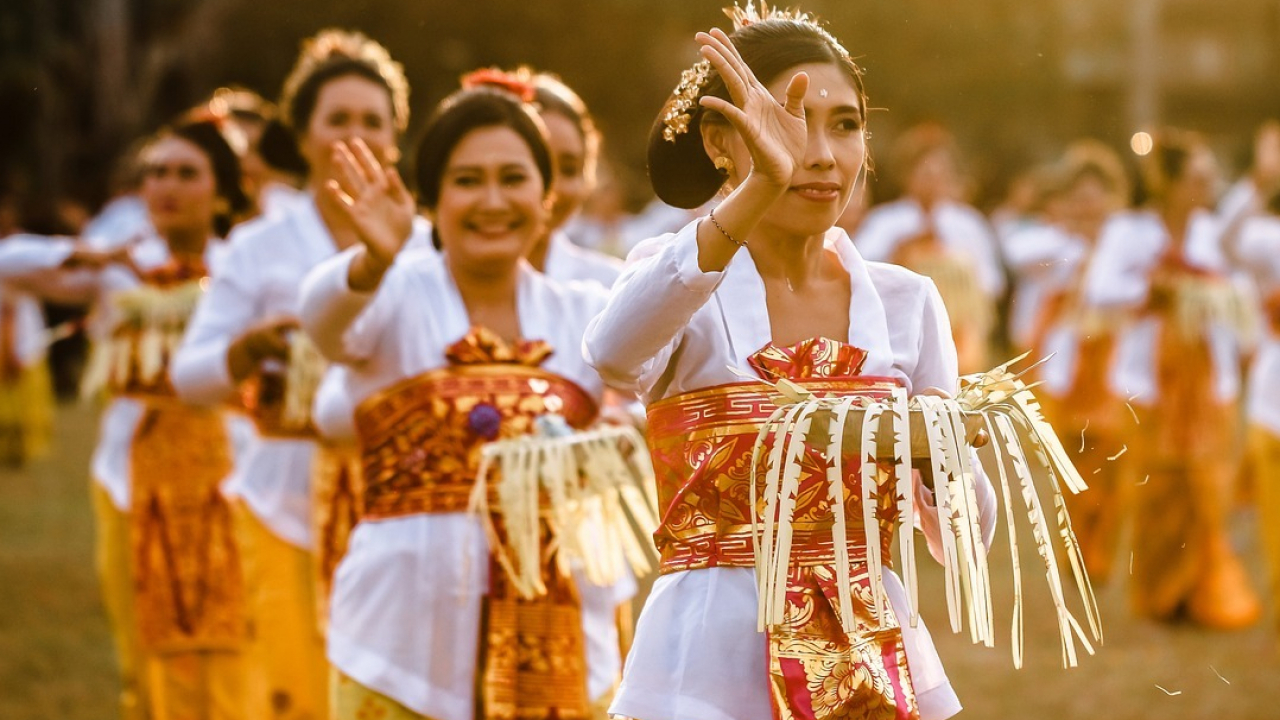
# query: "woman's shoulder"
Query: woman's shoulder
897,281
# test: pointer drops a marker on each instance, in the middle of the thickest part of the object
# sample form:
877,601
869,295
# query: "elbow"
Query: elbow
193,387
608,363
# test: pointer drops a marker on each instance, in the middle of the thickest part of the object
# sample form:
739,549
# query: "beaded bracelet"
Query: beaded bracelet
712,217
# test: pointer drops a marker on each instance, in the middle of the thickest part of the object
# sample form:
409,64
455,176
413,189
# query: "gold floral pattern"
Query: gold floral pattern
420,444
187,572
701,444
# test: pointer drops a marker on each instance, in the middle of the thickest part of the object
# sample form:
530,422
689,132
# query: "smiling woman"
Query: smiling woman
443,353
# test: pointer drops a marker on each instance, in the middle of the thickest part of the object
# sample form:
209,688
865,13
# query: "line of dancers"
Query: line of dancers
301,359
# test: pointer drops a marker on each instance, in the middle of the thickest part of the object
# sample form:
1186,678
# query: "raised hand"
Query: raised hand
373,198
774,132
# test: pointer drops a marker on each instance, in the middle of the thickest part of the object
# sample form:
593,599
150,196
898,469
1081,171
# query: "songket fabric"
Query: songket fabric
113,552
672,331
34,264
338,504
702,444
418,613
263,271
1183,380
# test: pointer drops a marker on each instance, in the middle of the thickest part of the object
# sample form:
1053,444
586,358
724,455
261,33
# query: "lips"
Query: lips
818,191
493,228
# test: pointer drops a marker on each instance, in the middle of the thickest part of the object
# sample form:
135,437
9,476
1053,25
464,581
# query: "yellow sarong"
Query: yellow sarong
288,673
1264,463
112,557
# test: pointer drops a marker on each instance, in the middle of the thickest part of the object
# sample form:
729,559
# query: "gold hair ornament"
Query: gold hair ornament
743,16
684,99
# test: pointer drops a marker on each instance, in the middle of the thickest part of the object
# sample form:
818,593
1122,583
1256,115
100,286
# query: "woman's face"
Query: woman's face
1089,202
834,156
179,187
573,182
348,107
492,204
1197,186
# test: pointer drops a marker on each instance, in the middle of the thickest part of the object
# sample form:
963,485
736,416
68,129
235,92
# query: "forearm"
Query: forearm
732,222
204,372
330,306
28,256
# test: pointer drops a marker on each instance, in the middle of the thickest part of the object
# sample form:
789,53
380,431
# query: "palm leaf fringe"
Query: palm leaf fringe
1021,452
594,489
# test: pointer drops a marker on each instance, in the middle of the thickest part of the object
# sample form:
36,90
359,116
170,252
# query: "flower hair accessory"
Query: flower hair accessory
684,100
519,84
749,15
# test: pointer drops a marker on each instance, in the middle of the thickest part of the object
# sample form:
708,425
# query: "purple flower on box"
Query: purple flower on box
484,420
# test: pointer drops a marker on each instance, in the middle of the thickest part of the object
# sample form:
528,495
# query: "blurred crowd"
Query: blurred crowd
1148,305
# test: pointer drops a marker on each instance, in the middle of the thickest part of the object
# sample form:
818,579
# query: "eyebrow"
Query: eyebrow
854,109
482,168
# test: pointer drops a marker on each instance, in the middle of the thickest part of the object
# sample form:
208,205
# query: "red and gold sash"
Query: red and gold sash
420,444
701,443
186,565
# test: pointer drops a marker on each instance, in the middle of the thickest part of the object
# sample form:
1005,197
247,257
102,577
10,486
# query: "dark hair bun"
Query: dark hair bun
278,147
681,173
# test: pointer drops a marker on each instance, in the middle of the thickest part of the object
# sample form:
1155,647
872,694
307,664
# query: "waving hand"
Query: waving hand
774,132
373,198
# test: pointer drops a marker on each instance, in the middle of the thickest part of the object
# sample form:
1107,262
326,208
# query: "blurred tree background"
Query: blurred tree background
1015,79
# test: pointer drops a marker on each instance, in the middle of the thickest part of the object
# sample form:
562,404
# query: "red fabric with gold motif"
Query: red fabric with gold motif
701,444
420,445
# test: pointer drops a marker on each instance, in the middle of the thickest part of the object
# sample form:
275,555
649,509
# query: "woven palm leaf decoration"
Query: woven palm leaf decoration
306,368
593,488
1018,450
151,323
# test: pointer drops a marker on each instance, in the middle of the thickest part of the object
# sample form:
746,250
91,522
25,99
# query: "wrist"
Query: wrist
366,271
763,185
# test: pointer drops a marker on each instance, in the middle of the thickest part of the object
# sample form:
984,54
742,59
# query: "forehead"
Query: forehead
562,133
349,90
490,146
838,87
174,150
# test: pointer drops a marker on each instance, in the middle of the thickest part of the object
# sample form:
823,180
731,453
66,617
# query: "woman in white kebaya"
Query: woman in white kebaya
774,116
1076,342
243,336
1178,364
931,231
160,543
443,353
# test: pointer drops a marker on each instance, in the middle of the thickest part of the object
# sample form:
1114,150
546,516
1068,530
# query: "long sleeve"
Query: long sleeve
937,367
33,263
652,303
199,372
332,312
1117,275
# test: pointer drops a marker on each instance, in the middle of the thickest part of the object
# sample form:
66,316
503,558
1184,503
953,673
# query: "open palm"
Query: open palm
373,198
774,132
